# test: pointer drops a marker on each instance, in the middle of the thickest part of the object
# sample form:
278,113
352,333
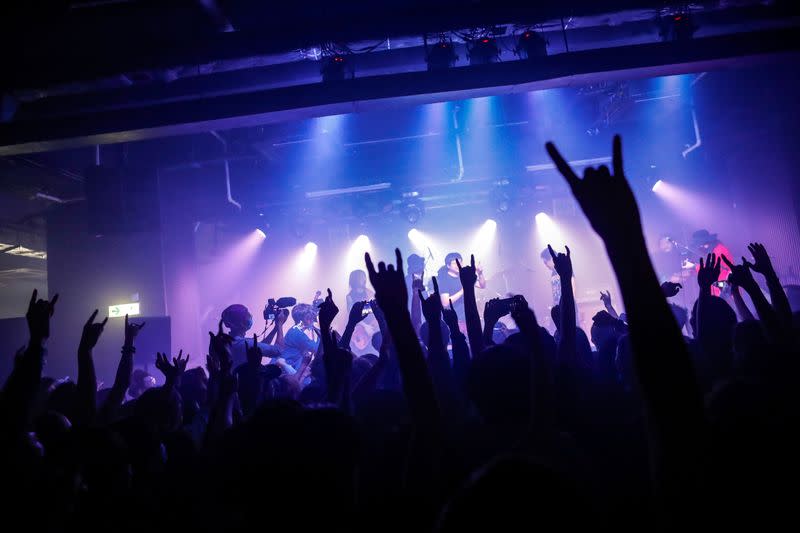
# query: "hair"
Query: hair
449,258
302,311
237,316
415,262
354,276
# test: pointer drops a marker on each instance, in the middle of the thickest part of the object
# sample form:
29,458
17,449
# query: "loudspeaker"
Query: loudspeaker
122,200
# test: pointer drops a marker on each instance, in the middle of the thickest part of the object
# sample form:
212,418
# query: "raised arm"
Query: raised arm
567,346
605,297
676,421
356,316
469,277
763,265
742,276
122,380
87,379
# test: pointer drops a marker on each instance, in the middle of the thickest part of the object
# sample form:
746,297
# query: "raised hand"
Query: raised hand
740,275
356,313
38,316
709,272
220,347
670,289
450,318
468,274
605,297
762,264
417,284
605,198
281,316
562,263
493,311
432,307
253,353
91,332
131,331
389,284
172,371
327,312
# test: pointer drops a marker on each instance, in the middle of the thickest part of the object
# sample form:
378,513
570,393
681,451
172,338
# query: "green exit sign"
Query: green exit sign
123,309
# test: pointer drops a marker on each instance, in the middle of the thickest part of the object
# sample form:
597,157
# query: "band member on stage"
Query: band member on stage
668,260
450,283
415,266
358,289
239,320
708,243
303,337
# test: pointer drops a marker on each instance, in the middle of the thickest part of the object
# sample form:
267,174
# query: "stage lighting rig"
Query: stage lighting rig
483,50
336,67
412,212
442,55
531,45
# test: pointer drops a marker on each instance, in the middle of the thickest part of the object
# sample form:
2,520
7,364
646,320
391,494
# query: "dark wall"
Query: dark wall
91,272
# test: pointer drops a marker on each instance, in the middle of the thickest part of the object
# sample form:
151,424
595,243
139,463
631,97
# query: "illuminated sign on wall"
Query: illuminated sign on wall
116,311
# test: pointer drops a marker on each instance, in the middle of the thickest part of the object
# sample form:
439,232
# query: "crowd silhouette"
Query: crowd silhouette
439,430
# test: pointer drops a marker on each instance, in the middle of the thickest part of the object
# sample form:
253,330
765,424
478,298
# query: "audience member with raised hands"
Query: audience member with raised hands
605,297
664,369
469,276
87,378
122,379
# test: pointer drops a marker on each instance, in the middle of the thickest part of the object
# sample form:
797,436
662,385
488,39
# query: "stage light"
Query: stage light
483,51
311,249
441,56
531,45
261,234
336,68
484,237
547,229
657,185
412,212
355,255
418,239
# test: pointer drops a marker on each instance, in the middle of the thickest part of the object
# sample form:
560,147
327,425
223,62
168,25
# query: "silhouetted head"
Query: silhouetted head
238,318
680,314
500,384
750,348
450,261
358,279
140,382
415,264
606,329
161,408
719,321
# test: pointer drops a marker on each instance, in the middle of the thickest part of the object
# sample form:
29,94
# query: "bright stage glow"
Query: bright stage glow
261,234
547,230
657,185
305,258
484,237
355,255
418,239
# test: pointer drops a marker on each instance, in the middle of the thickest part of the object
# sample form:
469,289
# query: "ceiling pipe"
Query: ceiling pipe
230,199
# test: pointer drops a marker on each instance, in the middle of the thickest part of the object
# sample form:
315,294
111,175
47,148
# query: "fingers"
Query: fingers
435,285
451,305
219,328
727,261
458,264
53,303
91,318
330,296
255,339
381,267
563,167
616,157
568,252
552,253
702,266
472,260
399,257
103,323
747,263
33,299
718,260
126,321
370,266
679,285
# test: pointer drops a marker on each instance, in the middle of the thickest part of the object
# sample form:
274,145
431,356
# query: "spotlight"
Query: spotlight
657,185
483,51
420,241
441,56
677,27
311,249
336,68
261,234
531,45
412,212
547,229
483,238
